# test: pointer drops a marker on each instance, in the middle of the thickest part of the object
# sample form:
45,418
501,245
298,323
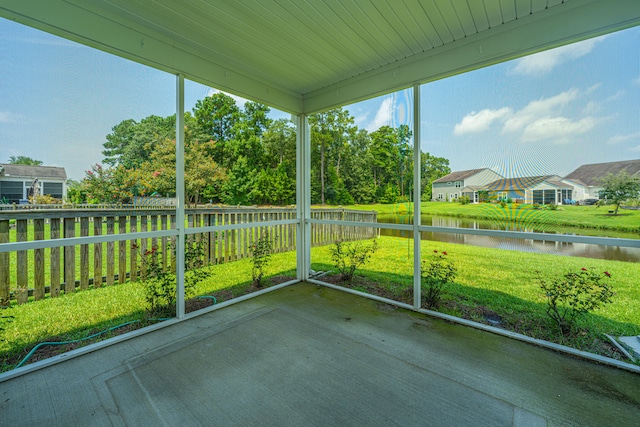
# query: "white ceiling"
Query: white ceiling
309,55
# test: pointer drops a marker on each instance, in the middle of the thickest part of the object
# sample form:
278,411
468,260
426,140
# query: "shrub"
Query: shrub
260,257
434,276
552,206
464,200
350,256
45,199
573,295
503,203
160,284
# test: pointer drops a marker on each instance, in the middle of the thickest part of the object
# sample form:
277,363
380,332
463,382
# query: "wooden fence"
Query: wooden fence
47,271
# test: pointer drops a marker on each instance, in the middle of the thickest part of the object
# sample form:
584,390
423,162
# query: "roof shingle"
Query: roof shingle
592,174
29,171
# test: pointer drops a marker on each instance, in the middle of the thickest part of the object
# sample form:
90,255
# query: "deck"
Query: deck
307,355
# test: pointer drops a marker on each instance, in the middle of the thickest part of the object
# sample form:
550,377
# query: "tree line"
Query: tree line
239,156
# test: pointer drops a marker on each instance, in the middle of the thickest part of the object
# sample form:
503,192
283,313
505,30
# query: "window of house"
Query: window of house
54,189
11,191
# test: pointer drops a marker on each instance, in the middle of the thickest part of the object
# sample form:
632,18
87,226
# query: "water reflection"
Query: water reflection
525,245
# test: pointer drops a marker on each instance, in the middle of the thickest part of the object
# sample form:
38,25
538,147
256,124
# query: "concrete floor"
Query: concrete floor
313,356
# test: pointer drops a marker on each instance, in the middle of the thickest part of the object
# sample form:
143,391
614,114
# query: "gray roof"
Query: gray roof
593,173
32,172
460,175
524,182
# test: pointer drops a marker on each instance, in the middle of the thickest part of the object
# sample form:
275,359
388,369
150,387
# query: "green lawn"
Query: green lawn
489,281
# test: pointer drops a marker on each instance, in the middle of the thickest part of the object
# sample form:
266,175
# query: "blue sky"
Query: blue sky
544,114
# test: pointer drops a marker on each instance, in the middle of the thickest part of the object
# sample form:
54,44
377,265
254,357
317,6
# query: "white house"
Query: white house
452,186
543,189
586,179
17,182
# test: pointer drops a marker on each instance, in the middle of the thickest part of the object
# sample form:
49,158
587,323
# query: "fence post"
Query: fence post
84,254
110,252
5,292
97,253
38,260
54,276
122,250
133,255
69,257
22,273
163,241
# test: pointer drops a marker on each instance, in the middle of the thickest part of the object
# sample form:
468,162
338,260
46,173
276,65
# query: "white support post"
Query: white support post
417,196
303,197
180,238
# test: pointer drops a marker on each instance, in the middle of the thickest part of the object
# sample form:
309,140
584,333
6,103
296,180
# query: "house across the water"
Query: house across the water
450,187
586,180
583,183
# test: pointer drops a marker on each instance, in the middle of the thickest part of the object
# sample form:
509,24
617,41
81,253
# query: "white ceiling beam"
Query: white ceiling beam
566,23
115,35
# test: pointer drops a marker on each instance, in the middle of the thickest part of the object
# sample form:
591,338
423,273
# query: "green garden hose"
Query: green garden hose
42,344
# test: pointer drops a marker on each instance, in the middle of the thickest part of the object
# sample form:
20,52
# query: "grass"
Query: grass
524,215
84,313
503,283
489,282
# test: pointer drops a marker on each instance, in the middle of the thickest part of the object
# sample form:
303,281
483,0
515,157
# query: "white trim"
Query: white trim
303,197
180,197
417,199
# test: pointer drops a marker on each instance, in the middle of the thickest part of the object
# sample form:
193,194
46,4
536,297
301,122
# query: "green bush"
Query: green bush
160,284
260,257
350,256
464,200
575,294
44,199
434,276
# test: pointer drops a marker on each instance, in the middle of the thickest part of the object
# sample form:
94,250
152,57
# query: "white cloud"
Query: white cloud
617,139
558,128
616,96
558,118
542,63
383,116
239,100
542,108
591,108
6,117
593,88
480,121
636,81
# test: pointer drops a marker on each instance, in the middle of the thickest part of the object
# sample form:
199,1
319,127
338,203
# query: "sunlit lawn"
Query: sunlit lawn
500,281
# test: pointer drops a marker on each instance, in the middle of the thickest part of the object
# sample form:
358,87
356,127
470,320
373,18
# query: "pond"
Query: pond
616,253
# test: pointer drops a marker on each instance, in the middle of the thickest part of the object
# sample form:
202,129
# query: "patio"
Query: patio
311,355
307,354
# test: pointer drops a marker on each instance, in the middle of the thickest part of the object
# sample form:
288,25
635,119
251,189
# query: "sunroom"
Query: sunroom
309,349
